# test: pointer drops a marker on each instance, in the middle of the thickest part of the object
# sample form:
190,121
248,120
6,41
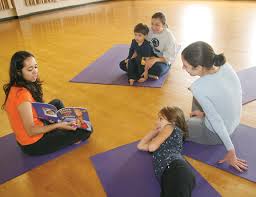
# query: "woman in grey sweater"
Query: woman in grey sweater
163,43
217,100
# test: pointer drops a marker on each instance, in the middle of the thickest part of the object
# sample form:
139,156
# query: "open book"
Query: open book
50,113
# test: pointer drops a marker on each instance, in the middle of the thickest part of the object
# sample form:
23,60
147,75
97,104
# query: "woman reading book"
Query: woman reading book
34,136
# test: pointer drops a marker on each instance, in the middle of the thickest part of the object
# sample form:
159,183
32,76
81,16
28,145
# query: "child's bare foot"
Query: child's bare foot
153,77
142,79
131,82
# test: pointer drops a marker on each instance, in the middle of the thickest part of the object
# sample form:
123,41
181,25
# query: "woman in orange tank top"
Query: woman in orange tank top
32,135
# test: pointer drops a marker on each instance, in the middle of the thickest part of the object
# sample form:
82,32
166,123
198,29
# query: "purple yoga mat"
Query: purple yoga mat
127,172
105,70
248,82
14,162
243,139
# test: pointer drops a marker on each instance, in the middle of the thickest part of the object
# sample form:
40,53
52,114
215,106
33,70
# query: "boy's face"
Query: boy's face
139,37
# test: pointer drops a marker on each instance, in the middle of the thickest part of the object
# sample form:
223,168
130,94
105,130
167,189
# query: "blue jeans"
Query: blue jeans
158,69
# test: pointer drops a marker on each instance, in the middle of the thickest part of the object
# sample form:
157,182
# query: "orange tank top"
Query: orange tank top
18,95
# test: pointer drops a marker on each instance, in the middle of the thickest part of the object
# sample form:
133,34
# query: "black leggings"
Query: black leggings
177,180
158,69
55,139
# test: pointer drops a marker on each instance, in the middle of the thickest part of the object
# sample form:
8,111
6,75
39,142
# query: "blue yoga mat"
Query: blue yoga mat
248,80
105,70
243,139
14,162
127,172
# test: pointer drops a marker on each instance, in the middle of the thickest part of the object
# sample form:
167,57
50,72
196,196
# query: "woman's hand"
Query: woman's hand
67,125
231,159
197,113
150,62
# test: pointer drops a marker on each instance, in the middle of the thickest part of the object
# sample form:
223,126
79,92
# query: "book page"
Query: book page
77,115
46,111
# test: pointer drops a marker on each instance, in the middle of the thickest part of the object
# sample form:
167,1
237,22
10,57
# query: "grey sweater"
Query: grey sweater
220,96
164,44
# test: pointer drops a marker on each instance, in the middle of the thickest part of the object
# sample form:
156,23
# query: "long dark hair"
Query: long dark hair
16,78
175,115
201,53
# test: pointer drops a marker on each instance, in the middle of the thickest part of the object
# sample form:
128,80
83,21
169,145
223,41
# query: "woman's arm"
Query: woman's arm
219,127
25,111
151,61
144,142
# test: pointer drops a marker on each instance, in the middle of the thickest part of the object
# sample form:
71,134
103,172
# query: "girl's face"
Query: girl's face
193,71
156,25
30,69
139,37
161,122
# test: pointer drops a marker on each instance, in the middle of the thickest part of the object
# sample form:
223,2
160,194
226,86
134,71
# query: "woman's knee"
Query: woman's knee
83,134
57,103
158,69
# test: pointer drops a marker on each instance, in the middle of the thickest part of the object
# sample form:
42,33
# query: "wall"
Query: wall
21,9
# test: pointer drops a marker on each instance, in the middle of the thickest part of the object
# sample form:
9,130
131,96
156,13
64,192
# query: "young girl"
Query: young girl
32,135
164,46
165,142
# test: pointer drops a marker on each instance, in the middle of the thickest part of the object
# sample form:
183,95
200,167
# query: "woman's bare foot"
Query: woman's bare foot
131,81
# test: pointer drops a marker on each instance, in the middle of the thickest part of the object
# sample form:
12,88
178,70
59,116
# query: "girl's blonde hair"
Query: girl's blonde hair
175,116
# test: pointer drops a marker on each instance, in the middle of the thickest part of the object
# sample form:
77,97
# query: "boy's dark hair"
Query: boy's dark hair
141,28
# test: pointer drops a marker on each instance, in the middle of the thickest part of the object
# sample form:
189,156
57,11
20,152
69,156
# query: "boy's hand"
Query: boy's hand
143,77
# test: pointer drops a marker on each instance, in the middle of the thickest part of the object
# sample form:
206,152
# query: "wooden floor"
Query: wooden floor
66,41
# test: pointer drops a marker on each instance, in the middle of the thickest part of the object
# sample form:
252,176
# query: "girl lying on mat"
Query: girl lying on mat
164,48
217,102
140,50
165,142
32,135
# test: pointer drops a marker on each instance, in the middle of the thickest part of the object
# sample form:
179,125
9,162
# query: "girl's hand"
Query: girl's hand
126,61
197,113
67,125
158,129
149,63
231,159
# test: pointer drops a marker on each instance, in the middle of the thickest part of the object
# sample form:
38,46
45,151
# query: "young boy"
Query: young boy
140,50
